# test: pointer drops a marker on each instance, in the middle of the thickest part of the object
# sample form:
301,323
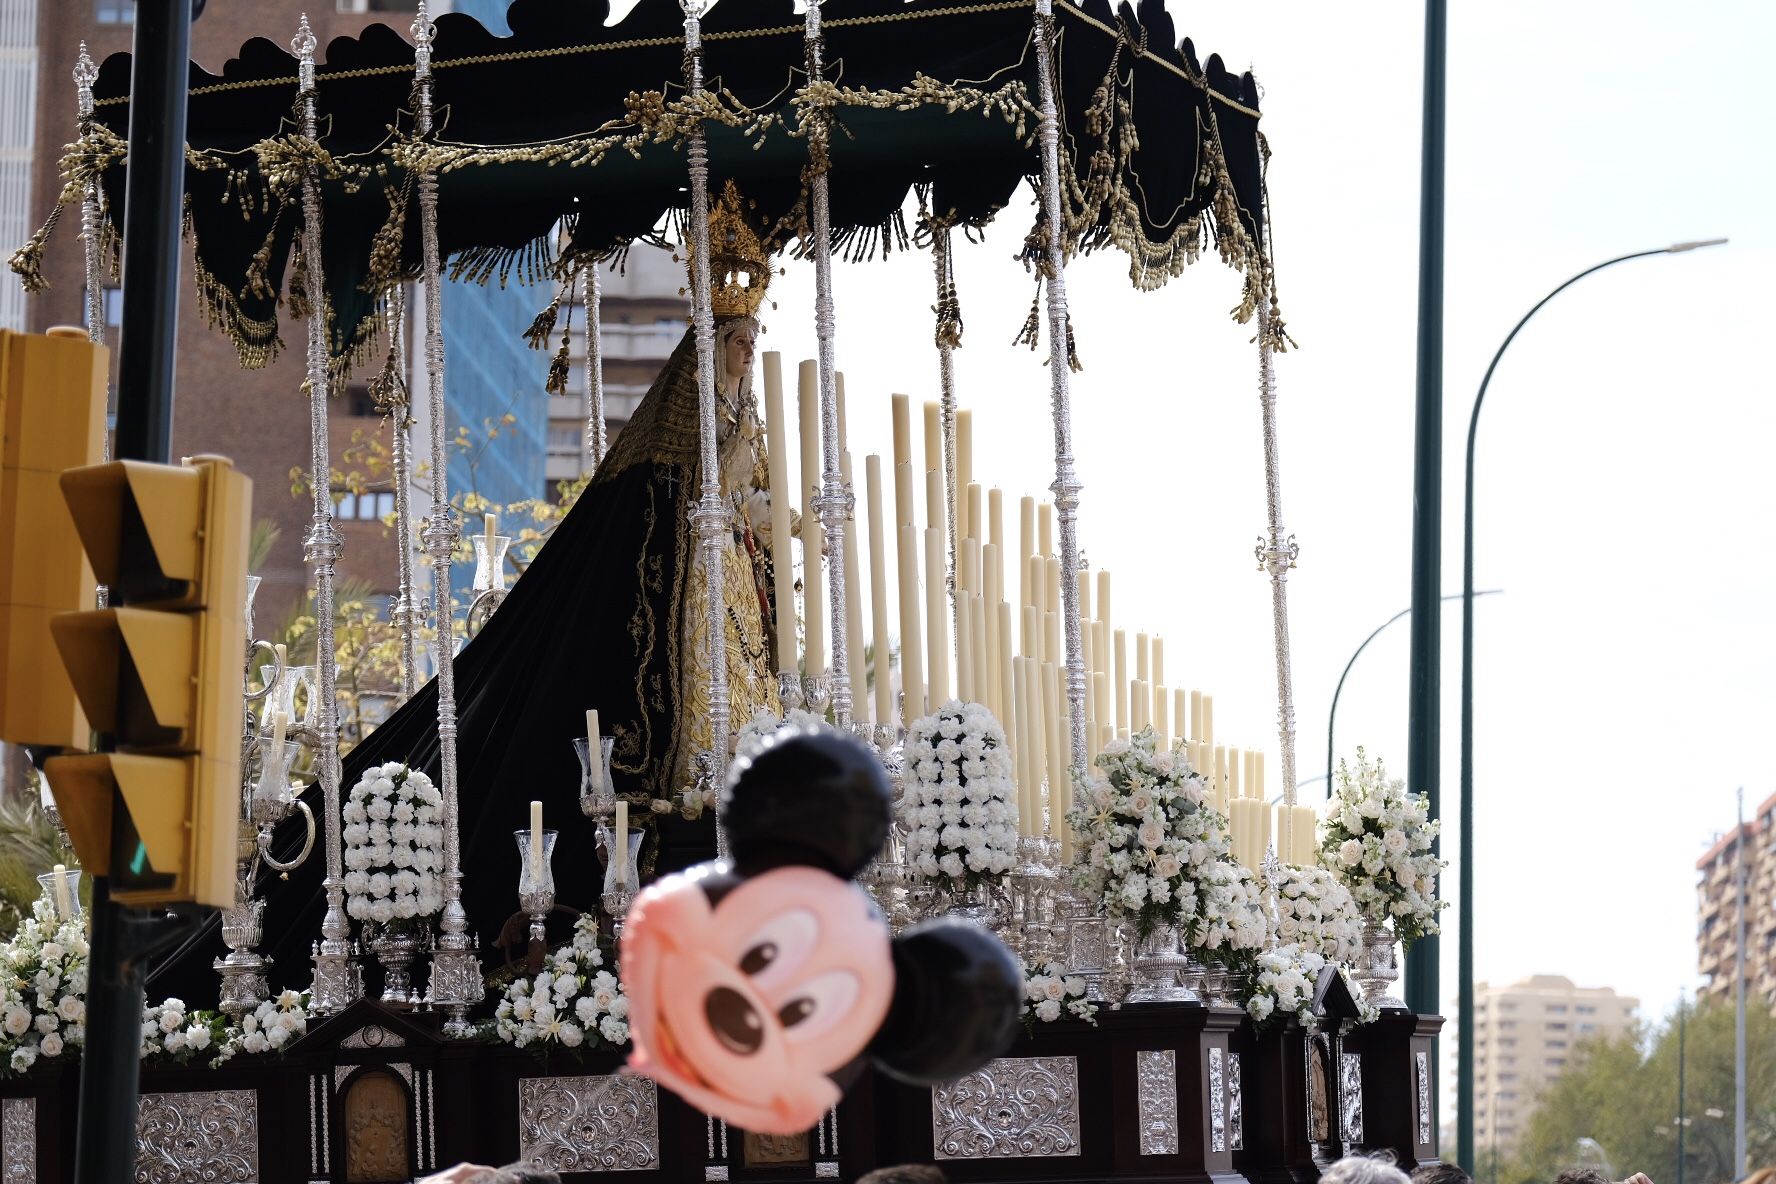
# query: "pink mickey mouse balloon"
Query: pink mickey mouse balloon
755,989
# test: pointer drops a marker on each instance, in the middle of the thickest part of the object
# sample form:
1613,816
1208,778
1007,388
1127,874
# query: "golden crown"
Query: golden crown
739,267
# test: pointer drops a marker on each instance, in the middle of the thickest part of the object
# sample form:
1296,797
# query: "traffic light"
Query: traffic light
159,675
52,417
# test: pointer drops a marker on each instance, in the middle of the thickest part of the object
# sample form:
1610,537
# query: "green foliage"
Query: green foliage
29,847
260,544
1623,1094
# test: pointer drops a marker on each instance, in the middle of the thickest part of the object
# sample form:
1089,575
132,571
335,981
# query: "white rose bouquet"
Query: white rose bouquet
1150,841
958,807
1283,984
572,1002
1235,922
394,847
1051,992
172,1033
42,990
1316,912
1377,838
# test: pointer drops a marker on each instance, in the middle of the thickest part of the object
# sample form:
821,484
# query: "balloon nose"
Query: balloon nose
734,1021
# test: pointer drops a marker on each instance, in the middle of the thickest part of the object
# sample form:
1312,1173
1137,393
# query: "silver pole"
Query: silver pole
710,520
1739,998
456,983
85,74
946,375
405,610
336,982
1278,554
836,501
1066,485
596,439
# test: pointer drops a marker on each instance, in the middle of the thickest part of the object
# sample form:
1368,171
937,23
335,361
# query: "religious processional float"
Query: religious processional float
1185,945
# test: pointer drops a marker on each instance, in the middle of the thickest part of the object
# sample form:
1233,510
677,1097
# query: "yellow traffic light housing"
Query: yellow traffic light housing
52,417
159,677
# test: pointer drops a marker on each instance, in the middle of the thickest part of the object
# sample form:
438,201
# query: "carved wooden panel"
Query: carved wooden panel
377,1125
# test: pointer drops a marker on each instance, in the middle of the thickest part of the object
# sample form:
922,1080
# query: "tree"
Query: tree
1623,1094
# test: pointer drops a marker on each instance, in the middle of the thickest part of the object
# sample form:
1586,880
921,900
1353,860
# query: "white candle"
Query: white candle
976,528
977,631
1045,514
1104,596
622,856
1233,773
63,902
536,845
872,477
1018,734
1088,642
1180,714
1209,720
777,462
489,528
1161,726
1051,605
937,637
903,429
912,633
1159,665
1196,715
996,518
992,593
595,750
1026,548
814,608
1258,777
934,457
965,689
965,470
1142,648
1006,686
280,724
857,670
1121,680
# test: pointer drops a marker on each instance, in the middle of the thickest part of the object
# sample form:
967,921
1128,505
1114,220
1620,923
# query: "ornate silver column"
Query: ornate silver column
336,978
456,983
836,501
946,374
596,439
405,612
710,518
85,74
1066,485
1277,553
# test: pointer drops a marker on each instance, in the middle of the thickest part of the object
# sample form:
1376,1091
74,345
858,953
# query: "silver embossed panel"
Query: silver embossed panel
208,1136
1423,1064
1156,1087
1350,1092
1217,1103
1015,1107
18,1140
589,1124
1236,1105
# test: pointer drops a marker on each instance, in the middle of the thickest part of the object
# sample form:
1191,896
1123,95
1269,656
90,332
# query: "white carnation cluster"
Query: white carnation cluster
750,740
959,806
1235,919
572,1002
1378,838
171,1032
1151,843
394,846
1283,984
42,990
1050,991
1317,912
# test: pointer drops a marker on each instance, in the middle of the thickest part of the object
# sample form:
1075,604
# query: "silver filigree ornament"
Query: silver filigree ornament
1277,553
1156,1092
18,1140
589,1124
1350,1099
1014,1107
211,1136
1217,1102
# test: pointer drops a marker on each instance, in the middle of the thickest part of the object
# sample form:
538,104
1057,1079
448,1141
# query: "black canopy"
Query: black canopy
569,119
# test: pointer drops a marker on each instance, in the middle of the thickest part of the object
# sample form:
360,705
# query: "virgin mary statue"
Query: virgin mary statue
613,615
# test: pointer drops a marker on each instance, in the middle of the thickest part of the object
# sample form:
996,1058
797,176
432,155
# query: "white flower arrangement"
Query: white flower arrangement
1235,922
1149,839
42,990
572,1002
394,846
170,1032
959,807
693,800
1377,838
1283,982
1316,912
1050,992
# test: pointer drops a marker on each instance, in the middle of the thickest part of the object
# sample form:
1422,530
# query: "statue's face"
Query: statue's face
737,360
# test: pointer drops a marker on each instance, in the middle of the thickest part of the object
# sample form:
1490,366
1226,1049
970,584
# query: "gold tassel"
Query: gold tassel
556,384
544,326
1072,349
1031,333
27,261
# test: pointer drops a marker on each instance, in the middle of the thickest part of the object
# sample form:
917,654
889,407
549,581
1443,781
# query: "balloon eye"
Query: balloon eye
758,957
795,1011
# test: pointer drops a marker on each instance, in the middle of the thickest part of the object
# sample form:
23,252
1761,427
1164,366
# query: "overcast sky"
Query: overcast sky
1623,685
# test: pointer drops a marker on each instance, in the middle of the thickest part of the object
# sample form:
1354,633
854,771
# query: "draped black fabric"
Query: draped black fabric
594,622
931,94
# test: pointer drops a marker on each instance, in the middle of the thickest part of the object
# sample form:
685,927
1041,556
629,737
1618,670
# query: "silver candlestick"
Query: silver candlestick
536,879
789,690
598,796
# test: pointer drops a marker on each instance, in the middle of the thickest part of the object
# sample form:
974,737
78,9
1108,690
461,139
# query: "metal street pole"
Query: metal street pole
1332,719
1683,1009
1739,997
1464,1092
123,939
1422,991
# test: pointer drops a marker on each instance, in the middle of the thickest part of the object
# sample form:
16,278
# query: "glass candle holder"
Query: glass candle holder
271,792
490,561
536,873
253,583
297,688
61,888
597,798
629,881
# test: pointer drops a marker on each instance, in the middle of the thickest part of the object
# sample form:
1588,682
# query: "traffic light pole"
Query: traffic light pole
123,939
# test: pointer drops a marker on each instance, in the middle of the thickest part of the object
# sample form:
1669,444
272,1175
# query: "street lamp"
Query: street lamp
1332,719
1464,1089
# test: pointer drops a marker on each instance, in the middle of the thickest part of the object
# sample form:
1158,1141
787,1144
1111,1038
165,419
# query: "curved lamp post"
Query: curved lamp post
1464,1089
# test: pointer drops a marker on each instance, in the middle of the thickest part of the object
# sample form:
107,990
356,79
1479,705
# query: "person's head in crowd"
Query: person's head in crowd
1440,1173
1581,1176
1365,1169
906,1173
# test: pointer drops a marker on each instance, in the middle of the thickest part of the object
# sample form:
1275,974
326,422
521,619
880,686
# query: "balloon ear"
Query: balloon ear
958,996
818,798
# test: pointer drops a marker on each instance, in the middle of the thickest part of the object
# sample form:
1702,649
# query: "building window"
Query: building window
564,440
362,507
357,401
1555,1026
377,6
1556,1044
1556,1062
115,12
1556,1009
113,304
1585,1009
